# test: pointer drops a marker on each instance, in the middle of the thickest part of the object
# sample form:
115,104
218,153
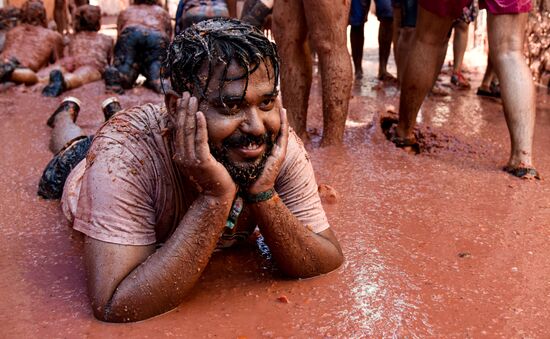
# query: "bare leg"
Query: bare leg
423,66
81,76
488,76
60,15
327,22
24,76
406,35
385,34
489,79
64,130
460,42
290,32
232,8
407,22
396,32
506,35
357,40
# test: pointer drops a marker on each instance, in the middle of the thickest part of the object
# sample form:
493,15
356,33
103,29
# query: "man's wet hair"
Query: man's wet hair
87,18
218,42
33,12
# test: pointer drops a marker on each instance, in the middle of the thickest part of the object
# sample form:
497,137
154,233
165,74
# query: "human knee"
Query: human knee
506,47
326,46
506,57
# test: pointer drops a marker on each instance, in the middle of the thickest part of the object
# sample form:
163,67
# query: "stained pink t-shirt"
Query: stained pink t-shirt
129,191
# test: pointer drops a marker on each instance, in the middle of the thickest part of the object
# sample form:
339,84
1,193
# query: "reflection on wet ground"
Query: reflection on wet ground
440,244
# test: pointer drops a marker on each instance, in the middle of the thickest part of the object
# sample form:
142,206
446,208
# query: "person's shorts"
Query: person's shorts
58,169
454,8
359,10
409,9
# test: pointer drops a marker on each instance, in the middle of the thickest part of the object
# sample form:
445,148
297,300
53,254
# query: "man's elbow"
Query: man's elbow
316,267
102,312
114,317
333,263
117,312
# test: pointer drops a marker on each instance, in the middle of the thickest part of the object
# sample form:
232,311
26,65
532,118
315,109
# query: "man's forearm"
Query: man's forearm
297,250
161,282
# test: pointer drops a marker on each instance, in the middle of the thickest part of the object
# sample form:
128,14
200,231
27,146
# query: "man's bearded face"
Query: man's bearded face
243,121
243,173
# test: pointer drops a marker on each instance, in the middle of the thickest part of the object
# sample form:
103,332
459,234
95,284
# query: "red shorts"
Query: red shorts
453,8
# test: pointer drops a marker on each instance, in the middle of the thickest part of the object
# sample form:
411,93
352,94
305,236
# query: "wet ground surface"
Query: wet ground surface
441,244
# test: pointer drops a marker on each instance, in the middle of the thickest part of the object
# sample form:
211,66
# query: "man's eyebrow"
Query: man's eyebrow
272,94
231,97
238,97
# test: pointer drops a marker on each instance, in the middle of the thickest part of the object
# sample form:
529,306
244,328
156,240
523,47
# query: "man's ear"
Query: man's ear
171,101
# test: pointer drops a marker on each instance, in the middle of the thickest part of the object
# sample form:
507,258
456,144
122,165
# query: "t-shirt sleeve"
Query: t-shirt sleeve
298,189
115,203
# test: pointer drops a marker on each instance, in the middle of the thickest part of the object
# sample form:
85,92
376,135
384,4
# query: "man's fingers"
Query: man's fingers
180,136
183,103
282,141
284,122
201,141
190,128
181,110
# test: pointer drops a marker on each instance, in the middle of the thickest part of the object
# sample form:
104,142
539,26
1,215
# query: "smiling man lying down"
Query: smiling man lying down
163,186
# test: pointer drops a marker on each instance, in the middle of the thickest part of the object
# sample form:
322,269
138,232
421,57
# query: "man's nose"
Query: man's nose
253,122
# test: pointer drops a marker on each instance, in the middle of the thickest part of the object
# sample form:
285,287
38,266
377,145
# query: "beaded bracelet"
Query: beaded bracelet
262,196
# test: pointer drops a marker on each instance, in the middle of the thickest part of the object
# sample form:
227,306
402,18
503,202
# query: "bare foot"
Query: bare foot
386,76
389,128
527,173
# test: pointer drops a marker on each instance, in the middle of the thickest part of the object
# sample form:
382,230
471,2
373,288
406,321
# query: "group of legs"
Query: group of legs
419,54
323,23
506,34
420,46
357,17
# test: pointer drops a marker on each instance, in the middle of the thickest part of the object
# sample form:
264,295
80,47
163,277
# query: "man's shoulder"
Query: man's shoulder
295,144
136,122
143,113
148,109
133,141
295,152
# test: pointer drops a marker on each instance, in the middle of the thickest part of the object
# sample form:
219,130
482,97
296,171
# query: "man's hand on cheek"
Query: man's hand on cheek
274,162
192,153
